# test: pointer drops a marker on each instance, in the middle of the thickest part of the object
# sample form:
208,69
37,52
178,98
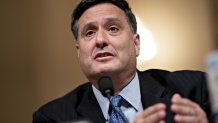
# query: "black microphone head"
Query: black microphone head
106,86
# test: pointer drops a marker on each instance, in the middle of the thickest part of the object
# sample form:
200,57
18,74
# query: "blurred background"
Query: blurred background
38,61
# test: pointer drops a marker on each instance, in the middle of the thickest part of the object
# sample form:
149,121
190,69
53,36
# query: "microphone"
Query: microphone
107,90
106,87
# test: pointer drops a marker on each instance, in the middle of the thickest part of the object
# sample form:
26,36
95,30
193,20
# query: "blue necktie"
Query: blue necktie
117,116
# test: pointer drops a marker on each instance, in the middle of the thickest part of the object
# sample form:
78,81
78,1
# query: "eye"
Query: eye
113,29
89,33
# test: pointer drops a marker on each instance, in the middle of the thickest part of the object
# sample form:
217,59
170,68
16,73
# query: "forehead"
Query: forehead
100,12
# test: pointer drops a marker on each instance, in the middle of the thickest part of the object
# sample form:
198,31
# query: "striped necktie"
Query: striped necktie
117,116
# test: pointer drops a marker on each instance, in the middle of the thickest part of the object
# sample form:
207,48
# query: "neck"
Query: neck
119,79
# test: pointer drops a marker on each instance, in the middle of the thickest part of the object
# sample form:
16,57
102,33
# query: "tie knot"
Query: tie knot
116,100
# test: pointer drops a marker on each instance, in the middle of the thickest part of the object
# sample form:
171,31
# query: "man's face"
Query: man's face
106,44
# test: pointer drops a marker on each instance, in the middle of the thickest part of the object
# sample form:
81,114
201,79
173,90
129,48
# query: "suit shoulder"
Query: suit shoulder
183,79
67,103
181,74
187,76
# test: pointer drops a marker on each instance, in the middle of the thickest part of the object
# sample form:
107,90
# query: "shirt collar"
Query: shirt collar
128,93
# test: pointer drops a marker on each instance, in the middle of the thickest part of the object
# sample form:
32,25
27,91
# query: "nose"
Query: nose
101,39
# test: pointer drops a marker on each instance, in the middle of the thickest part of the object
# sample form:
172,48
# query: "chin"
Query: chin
106,70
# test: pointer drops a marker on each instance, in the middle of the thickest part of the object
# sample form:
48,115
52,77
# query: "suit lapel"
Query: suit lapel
90,108
153,92
151,89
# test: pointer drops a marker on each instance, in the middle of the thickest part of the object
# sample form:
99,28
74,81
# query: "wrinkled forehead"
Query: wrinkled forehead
101,13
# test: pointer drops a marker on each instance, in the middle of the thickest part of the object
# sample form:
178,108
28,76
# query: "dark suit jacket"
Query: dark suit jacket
155,86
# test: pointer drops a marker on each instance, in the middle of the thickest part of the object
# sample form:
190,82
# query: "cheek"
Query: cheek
85,49
129,51
126,47
85,53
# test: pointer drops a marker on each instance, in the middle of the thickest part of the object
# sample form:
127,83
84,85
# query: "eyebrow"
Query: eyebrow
107,20
114,20
88,25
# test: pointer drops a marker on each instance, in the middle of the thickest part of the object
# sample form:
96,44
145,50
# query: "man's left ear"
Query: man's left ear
137,43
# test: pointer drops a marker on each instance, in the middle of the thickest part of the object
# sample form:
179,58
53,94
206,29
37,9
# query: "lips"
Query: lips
102,55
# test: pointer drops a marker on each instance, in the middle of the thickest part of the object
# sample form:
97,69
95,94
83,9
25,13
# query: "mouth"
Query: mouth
103,55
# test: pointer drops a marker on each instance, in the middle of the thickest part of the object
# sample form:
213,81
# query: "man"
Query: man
107,45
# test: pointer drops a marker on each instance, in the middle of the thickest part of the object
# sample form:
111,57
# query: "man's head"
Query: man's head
85,4
107,43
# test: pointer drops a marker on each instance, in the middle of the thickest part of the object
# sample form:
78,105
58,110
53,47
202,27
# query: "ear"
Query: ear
77,48
137,43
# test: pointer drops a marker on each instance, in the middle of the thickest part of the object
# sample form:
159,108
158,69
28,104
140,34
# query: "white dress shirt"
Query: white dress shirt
131,93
